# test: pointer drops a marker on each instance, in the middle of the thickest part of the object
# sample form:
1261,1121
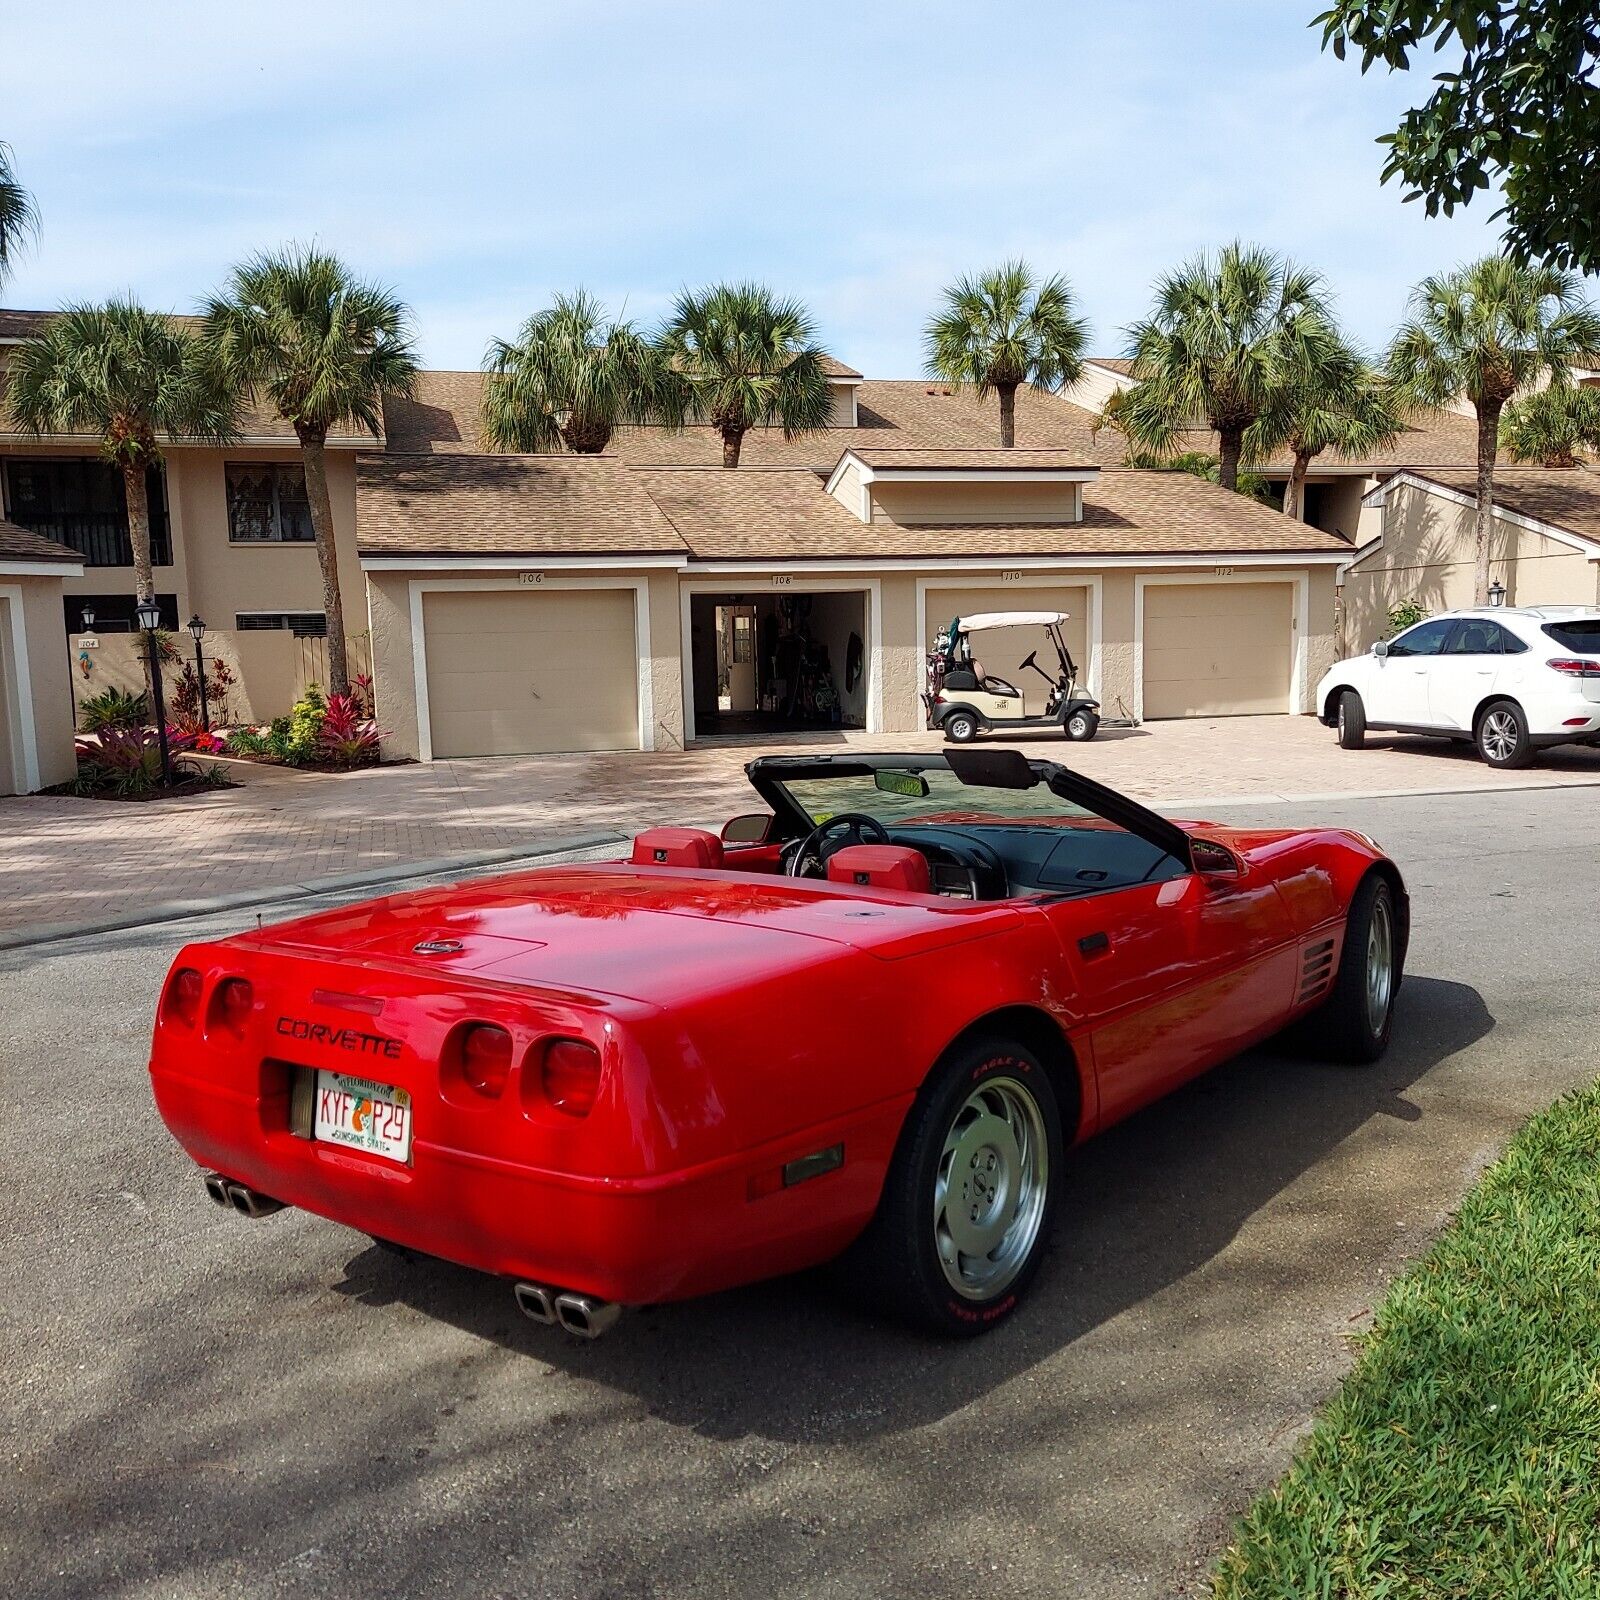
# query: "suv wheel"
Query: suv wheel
1352,721
1502,735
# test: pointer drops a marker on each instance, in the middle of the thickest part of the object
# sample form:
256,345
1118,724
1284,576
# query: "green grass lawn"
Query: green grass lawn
1461,1458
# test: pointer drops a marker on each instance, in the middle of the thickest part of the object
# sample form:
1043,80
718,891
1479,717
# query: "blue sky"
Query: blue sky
480,156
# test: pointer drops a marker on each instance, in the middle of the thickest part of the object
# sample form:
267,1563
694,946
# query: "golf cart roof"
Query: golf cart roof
980,620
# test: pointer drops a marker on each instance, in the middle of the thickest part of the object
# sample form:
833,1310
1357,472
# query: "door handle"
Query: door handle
1094,944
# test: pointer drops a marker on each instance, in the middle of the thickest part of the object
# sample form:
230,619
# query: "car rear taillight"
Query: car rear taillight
183,996
1575,666
570,1076
234,1002
486,1058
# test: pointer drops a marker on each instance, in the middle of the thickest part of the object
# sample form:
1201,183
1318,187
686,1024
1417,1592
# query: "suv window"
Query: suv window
1581,634
1477,636
1426,639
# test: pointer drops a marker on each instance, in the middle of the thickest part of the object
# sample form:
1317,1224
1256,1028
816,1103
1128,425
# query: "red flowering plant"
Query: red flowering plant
361,693
347,737
186,695
126,761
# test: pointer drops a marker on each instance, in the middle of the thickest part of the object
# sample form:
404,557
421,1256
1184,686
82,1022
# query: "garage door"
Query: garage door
1217,649
1001,650
522,674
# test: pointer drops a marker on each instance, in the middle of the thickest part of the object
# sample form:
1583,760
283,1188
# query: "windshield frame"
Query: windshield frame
768,775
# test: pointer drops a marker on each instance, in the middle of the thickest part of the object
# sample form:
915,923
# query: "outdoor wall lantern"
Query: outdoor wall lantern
149,617
86,619
197,627
1497,593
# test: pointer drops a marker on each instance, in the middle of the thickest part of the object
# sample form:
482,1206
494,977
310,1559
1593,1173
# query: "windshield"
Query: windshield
948,799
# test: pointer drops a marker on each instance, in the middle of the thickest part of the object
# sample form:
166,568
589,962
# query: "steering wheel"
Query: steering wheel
1032,661
810,858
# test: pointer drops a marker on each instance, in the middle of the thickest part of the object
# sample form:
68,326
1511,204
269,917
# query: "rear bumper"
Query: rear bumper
633,1240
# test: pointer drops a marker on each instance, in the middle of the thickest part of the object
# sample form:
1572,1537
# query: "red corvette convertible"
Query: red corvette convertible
864,1023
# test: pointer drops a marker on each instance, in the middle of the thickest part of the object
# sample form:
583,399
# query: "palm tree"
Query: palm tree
1338,404
1225,339
740,358
132,376
1485,331
19,217
570,378
1552,426
1003,329
325,348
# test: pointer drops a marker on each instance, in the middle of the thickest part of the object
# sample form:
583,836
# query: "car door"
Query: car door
1400,686
1176,976
1463,673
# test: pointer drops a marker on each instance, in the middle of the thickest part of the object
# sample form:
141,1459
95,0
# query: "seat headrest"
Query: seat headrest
677,847
881,866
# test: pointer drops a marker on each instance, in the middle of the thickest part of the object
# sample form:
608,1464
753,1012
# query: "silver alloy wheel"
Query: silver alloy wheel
1380,963
1078,724
990,1188
1498,736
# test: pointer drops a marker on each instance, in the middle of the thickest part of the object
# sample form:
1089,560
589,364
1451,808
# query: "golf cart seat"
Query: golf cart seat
881,866
677,847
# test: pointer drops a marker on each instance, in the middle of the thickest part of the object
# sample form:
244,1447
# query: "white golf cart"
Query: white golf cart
964,701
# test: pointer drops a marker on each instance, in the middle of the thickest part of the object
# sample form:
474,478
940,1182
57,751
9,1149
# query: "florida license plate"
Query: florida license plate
362,1115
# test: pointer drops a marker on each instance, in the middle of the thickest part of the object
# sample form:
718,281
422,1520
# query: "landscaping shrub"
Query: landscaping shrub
126,761
347,737
1404,615
186,694
277,738
305,723
113,708
246,742
361,692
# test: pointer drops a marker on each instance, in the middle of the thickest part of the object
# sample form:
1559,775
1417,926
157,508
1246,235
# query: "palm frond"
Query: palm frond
1004,328
19,216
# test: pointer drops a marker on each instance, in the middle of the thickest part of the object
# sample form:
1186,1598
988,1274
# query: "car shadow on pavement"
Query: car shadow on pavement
1144,1205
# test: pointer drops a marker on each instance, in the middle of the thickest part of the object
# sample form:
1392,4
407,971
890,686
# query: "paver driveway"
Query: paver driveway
76,861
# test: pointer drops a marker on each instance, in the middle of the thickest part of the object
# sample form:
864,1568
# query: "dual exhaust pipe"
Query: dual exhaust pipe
579,1314
236,1197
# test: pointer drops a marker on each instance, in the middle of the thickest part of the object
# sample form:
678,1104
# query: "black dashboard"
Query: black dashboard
994,862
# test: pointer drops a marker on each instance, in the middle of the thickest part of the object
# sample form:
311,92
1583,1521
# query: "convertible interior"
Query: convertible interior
910,837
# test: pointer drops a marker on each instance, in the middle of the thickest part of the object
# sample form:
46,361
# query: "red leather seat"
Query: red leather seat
881,866
677,847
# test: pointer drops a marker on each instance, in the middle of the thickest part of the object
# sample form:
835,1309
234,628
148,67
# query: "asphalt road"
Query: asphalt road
195,1405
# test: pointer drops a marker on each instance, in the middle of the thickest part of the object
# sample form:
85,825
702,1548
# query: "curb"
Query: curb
178,910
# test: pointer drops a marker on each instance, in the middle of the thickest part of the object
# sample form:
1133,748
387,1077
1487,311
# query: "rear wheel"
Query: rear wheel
960,1227
1502,735
1353,1023
1081,725
961,727
1352,722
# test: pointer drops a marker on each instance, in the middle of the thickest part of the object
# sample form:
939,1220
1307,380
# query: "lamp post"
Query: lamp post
198,628
149,615
1497,593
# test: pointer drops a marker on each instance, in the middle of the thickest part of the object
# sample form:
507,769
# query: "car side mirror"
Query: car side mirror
754,827
1215,862
1380,649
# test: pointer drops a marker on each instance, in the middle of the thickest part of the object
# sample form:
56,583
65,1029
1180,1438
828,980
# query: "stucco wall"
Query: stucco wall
97,662
31,648
394,660
1427,555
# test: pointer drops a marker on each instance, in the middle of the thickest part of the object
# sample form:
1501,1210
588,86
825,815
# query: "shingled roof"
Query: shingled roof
505,505
18,544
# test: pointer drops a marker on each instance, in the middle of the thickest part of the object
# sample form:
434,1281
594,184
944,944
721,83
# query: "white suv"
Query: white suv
1512,679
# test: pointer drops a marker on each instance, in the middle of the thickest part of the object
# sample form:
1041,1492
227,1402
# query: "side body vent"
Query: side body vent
1316,970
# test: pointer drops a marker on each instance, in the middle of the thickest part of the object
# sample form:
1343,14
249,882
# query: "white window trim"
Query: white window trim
870,587
418,587
1299,687
1032,580
14,643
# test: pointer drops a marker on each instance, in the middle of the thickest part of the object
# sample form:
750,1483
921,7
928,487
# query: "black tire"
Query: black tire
897,1262
1081,725
1345,1027
961,727
1351,720
1502,737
